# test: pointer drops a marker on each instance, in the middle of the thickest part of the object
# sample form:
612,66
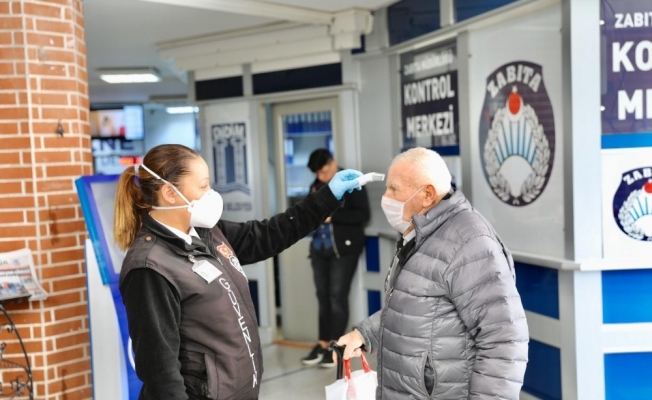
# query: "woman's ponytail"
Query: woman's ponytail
129,206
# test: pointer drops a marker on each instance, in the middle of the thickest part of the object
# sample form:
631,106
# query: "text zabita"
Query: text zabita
514,73
633,20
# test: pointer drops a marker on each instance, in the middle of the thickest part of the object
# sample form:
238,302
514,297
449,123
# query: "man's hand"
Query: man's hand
353,341
327,220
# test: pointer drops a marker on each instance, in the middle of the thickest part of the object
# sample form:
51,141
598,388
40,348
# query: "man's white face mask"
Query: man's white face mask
394,209
204,212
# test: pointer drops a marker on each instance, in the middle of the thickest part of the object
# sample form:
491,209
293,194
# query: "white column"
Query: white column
581,292
580,316
464,104
446,13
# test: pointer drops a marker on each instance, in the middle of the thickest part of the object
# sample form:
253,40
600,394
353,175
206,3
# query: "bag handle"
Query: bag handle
347,366
332,346
344,366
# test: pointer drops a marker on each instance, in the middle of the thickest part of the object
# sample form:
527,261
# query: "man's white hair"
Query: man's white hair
429,168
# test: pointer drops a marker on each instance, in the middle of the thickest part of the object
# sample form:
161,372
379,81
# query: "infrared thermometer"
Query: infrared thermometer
371,177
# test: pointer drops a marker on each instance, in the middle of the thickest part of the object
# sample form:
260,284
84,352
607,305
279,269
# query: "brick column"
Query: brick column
43,82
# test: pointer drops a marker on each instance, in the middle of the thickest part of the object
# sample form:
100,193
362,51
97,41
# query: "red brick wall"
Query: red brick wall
43,81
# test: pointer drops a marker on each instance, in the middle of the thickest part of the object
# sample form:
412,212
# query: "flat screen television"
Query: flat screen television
118,122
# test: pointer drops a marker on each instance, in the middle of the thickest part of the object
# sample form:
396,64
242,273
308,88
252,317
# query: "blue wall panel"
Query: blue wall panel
372,253
543,373
465,9
539,289
624,140
408,19
373,301
628,376
627,296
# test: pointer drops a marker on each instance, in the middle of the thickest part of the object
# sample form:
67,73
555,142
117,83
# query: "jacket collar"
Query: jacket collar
429,222
403,250
175,242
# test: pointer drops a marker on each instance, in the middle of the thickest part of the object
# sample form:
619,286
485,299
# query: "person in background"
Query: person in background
191,317
334,253
452,325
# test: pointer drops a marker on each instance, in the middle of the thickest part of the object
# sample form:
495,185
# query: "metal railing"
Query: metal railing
18,386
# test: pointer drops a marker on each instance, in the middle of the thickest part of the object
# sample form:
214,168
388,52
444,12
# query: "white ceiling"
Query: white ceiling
333,5
124,33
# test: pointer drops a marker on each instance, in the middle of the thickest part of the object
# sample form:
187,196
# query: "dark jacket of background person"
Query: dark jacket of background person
205,335
453,326
348,222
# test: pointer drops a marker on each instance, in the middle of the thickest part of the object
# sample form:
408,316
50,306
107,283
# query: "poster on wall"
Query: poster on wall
429,105
516,130
227,131
517,133
231,169
627,81
627,205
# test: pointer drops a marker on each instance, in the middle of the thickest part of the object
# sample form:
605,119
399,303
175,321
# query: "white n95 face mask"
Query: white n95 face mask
204,213
394,209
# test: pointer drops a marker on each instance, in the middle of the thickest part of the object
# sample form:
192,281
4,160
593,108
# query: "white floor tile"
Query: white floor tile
285,378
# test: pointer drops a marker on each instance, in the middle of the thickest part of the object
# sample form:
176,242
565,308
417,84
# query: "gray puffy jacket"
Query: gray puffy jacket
453,326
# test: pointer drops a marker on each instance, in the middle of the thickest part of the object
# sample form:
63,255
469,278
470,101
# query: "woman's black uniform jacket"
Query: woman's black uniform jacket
348,222
197,340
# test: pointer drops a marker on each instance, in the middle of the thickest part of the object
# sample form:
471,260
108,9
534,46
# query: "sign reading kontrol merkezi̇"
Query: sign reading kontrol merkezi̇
429,111
627,66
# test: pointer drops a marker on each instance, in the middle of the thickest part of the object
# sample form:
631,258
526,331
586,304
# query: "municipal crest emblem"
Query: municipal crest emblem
517,133
632,204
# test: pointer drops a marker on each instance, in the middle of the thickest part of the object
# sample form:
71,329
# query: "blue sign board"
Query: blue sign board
626,79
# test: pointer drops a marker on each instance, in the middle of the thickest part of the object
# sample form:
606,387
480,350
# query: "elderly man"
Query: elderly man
452,326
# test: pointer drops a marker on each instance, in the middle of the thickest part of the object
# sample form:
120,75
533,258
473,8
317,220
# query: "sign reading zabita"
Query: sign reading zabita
633,204
517,133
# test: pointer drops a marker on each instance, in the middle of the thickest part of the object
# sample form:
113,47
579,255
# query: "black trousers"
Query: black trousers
333,278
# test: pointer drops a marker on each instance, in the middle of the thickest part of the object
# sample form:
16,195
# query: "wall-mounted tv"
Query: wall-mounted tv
118,122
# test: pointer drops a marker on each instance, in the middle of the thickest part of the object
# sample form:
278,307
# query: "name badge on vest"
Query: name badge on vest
206,270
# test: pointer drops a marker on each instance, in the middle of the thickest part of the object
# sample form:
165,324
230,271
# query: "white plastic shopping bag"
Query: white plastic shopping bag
359,385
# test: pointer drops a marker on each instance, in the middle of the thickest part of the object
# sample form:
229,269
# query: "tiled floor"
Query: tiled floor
285,378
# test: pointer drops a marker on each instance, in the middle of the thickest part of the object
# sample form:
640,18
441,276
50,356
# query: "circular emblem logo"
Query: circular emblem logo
517,133
633,204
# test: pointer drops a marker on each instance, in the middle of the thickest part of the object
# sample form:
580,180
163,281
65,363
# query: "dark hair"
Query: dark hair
318,159
170,162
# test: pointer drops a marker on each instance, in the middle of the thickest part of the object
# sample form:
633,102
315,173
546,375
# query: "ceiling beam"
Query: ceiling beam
245,42
250,55
257,9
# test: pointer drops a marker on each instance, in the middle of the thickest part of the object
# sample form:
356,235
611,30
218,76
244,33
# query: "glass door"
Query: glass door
299,129
302,134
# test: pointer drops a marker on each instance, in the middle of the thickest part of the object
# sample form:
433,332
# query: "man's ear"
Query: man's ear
430,197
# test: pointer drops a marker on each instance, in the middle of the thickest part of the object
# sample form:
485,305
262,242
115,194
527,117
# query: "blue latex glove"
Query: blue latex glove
344,181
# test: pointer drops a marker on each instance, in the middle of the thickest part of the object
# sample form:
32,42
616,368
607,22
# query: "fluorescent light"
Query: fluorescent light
182,110
130,78
129,75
